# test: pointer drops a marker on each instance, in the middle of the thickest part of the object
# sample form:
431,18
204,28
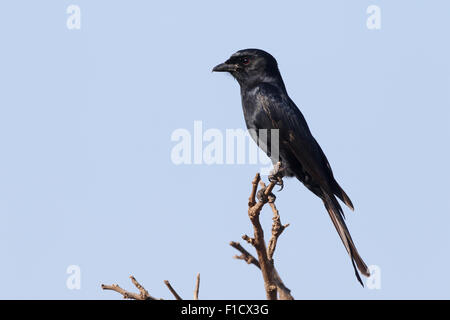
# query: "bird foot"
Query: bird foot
276,175
261,196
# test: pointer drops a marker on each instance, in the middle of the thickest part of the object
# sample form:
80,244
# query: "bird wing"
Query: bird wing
280,112
294,134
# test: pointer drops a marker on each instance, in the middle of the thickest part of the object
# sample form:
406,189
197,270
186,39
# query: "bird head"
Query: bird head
249,66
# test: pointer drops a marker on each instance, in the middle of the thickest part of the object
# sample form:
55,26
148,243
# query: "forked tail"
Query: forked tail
336,215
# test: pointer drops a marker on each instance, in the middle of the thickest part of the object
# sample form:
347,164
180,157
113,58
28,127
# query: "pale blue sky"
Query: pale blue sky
86,117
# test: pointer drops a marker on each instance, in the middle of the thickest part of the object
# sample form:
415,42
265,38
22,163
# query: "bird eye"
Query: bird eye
245,61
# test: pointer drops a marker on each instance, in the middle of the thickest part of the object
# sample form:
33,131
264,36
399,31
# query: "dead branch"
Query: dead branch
245,255
265,263
142,295
277,227
258,239
197,287
283,291
273,284
172,290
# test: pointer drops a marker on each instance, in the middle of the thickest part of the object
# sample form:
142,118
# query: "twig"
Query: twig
172,290
251,199
142,295
245,255
197,287
277,227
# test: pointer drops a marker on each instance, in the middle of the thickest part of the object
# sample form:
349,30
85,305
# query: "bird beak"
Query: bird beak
225,67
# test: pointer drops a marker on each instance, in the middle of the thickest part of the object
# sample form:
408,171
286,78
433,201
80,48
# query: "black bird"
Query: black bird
266,105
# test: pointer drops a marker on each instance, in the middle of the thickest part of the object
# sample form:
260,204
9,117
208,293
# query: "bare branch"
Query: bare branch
277,227
251,199
265,263
197,287
284,292
245,255
172,290
142,295
258,241
273,284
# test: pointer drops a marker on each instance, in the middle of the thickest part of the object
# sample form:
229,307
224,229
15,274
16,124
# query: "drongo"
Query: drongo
266,105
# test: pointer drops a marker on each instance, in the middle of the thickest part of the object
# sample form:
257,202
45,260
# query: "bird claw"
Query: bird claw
276,175
278,181
261,196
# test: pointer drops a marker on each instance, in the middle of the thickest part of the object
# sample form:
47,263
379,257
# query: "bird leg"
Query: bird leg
276,175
